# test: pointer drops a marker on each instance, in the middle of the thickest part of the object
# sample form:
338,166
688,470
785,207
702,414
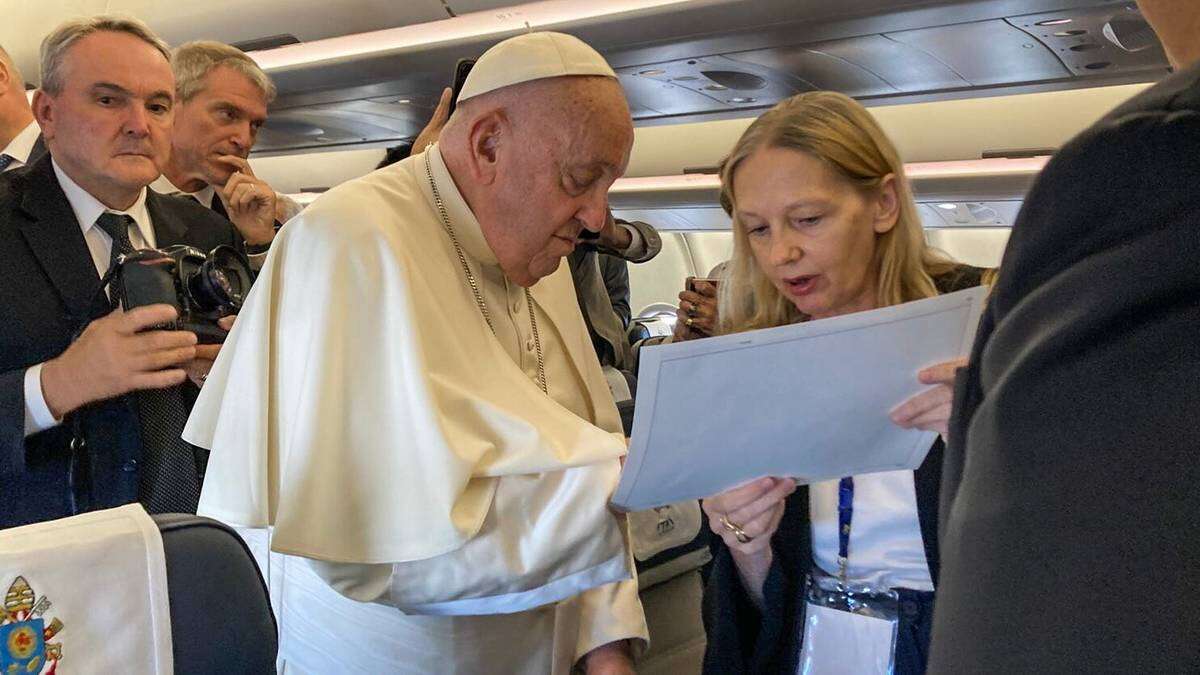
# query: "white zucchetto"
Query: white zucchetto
533,56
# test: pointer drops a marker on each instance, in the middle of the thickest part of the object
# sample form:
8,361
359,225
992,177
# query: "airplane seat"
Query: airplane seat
221,619
671,550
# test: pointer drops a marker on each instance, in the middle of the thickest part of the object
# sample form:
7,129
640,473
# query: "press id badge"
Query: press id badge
849,629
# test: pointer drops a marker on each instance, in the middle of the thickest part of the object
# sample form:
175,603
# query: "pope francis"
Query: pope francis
408,421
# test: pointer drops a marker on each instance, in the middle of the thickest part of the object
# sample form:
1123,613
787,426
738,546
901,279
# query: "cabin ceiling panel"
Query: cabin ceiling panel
27,21
711,83
1103,39
823,70
986,52
901,66
465,6
770,49
652,98
348,123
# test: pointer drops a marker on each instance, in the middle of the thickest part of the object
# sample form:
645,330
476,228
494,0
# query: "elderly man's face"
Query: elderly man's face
555,182
222,119
109,126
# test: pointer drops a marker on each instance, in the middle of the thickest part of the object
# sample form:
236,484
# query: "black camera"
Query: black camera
204,288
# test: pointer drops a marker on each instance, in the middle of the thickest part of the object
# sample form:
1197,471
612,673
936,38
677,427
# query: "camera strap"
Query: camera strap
116,226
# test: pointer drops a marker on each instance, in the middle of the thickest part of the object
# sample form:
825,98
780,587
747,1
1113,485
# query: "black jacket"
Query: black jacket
48,289
1071,517
741,639
37,151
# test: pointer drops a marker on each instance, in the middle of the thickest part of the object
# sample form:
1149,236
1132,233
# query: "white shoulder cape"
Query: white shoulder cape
361,405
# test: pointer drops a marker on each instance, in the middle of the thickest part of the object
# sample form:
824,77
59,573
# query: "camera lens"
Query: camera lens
221,282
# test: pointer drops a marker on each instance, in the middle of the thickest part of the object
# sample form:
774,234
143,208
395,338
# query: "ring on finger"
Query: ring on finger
690,322
736,529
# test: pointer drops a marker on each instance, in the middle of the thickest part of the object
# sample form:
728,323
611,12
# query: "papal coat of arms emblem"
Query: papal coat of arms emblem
24,635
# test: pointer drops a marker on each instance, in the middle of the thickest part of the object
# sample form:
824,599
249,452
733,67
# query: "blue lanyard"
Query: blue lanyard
845,516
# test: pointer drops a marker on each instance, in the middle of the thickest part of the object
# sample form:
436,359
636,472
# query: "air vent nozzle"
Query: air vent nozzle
732,79
1130,33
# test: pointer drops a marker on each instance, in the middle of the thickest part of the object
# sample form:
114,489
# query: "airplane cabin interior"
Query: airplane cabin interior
977,96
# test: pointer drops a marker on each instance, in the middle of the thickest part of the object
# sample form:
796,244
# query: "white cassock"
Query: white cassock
400,454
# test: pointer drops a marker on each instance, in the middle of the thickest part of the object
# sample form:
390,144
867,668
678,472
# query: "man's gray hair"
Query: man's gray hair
59,41
193,61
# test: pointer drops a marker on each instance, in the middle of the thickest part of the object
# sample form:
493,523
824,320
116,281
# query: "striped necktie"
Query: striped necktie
5,161
116,226
171,469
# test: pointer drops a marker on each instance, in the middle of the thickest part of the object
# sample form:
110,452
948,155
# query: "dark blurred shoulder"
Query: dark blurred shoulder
1177,92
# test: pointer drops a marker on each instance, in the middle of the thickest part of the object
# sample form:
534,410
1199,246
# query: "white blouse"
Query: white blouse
886,547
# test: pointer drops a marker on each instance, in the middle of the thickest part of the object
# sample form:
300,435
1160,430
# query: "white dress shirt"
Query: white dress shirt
886,548
20,147
87,210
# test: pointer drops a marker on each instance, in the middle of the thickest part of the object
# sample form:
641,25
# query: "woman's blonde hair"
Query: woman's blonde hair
837,130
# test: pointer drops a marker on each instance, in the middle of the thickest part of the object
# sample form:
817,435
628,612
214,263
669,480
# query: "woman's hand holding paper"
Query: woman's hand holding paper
930,409
745,518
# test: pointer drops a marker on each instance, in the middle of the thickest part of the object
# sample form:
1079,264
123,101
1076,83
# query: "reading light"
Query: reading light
918,170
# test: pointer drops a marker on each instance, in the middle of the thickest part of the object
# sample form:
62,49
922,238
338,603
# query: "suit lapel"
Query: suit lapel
38,151
54,235
169,228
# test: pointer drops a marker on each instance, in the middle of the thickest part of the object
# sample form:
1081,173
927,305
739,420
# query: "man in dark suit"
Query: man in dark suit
92,399
221,98
20,139
1071,535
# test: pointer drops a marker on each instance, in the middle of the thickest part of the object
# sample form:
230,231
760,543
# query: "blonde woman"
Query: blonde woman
824,225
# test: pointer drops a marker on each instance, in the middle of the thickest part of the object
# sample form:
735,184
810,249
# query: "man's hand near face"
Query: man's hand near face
613,236
433,129
249,201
